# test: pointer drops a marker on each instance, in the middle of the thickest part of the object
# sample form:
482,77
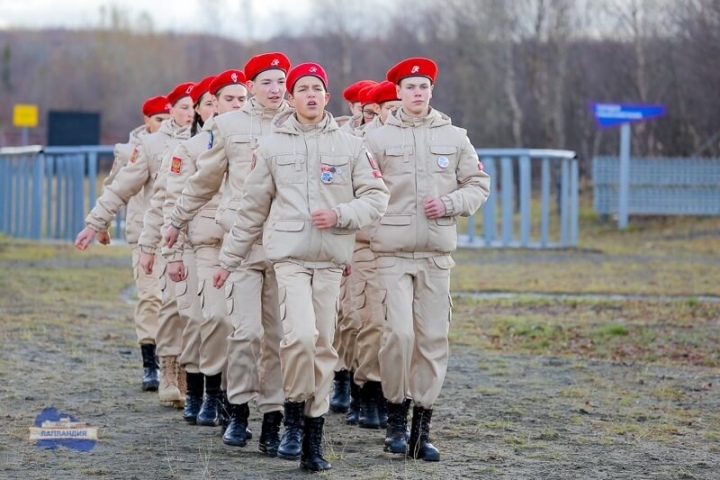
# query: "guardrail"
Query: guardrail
46,193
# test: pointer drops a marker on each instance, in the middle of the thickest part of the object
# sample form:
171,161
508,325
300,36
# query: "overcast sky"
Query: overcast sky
225,17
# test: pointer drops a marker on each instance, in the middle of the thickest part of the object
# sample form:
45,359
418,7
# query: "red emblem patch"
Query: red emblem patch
133,157
176,165
481,167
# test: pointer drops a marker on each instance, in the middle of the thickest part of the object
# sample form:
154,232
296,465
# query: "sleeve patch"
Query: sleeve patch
176,165
134,156
374,165
253,162
481,167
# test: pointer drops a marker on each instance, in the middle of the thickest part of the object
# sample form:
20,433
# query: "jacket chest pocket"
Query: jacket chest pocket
239,148
334,170
290,169
443,159
397,160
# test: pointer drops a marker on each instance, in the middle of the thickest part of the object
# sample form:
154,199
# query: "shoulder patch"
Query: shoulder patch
176,165
373,165
481,167
212,139
134,155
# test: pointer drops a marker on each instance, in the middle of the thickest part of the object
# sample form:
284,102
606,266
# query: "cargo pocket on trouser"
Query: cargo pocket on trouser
184,299
229,300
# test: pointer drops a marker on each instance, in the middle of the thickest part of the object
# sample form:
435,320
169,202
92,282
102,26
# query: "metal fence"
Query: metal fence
659,186
46,193
508,217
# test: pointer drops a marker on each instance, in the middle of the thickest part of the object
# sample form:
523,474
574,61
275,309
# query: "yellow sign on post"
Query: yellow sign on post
25,115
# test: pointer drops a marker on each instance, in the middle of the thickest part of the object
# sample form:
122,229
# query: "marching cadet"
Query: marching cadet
155,111
311,186
368,107
346,395
141,172
355,104
180,266
253,348
350,94
204,236
365,337
433,175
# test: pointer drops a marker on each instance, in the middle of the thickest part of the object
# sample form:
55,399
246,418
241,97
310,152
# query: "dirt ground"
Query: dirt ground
505,413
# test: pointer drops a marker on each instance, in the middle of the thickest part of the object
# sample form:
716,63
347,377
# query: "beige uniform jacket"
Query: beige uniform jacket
420,158
184,166
297,170
137,204
154,220
362,238
355,122
235,137
140,172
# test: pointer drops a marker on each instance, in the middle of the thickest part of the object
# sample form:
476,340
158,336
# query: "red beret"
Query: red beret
228,77
413,67
200,88
266,61
351,93
364,96
180,91
305,70
156,106
384,92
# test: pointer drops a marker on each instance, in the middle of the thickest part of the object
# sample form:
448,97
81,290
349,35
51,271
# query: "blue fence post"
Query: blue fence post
92,161
78,204
506,165
4,193
13,198
574,201
37,204
564,202
60,194
545,203
50,189
525,200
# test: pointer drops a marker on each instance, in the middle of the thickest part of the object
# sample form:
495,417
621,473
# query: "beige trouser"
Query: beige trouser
308,310
216,326
253,347
170,323
188,302
149,300
417,305
348,322
368,305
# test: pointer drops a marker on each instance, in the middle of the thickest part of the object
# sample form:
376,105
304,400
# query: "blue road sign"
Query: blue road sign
612,114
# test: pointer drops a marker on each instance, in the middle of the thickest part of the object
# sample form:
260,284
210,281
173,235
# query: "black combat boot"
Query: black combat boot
340,399
150,381
420,446
382,407
270,433
396,433
291,443
193,396
236,432
210,412
312,458
353,414
369,408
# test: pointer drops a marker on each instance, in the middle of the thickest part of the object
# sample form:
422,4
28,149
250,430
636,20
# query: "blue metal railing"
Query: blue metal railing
46,193
512,197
